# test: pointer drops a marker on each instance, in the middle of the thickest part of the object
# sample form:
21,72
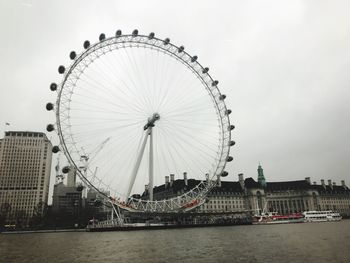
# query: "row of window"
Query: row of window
225,197
22,158
24,134
22,150
221,207
226,202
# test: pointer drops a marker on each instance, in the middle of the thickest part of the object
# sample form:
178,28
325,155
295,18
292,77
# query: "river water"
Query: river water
308,242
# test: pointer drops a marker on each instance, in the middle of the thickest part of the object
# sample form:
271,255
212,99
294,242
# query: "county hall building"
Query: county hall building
250,195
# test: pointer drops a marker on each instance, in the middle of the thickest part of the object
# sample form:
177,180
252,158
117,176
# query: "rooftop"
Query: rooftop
25,134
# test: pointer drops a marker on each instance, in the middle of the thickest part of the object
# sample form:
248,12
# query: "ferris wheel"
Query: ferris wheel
133,109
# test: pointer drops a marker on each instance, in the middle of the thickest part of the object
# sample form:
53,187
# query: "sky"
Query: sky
282,64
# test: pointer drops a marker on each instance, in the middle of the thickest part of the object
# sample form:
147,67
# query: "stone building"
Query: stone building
296,196
226,197
25,167
256,196
332,197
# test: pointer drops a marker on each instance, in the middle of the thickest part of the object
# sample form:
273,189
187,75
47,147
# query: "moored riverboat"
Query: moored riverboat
274,218
321,216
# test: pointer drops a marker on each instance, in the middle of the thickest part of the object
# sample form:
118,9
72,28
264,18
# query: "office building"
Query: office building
25,167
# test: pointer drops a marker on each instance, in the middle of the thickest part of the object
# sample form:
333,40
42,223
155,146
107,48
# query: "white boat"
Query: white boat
321,216
265,218
274,218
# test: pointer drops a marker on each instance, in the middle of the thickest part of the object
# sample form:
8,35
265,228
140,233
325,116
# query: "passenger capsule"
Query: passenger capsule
224,174
194,58
222,97
50,127
231,127
166,41
229,158
49,106
55,149
228,112
181,49
151,35
231,143
53,86
102,37
72,55
135,33
118,33
205,70
61,69
215,83
65,169
86,44
136,196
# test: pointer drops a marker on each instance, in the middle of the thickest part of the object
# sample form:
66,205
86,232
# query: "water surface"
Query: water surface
309,242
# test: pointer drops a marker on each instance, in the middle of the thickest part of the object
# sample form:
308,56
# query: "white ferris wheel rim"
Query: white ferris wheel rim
105,45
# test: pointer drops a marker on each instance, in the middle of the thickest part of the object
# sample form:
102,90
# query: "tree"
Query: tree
5,209
39,213
20,218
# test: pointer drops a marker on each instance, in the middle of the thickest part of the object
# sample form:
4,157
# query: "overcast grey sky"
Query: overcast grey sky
284,66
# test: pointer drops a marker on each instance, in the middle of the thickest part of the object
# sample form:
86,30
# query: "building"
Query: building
226,197
75,204
256,196
67,198
296,196
25,167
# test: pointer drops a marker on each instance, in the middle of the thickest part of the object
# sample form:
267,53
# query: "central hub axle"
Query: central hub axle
150,123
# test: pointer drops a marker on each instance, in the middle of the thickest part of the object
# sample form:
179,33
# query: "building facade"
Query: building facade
67,198
248,195
25,168
296,196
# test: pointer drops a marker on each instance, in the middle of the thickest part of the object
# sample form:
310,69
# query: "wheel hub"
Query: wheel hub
150,123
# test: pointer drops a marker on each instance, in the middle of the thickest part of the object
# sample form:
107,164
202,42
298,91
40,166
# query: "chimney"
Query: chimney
314,183
218,180
241,180
146,188
334,183
172,176
330,184
307,179
166,181
343,184
185,178
322,183
207,177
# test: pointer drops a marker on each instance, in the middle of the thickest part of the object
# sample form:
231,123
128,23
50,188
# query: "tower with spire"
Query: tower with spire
261,177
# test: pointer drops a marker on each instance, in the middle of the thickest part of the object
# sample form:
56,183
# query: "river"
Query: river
308,242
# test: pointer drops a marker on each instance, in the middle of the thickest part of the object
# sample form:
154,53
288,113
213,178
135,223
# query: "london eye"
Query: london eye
132,109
